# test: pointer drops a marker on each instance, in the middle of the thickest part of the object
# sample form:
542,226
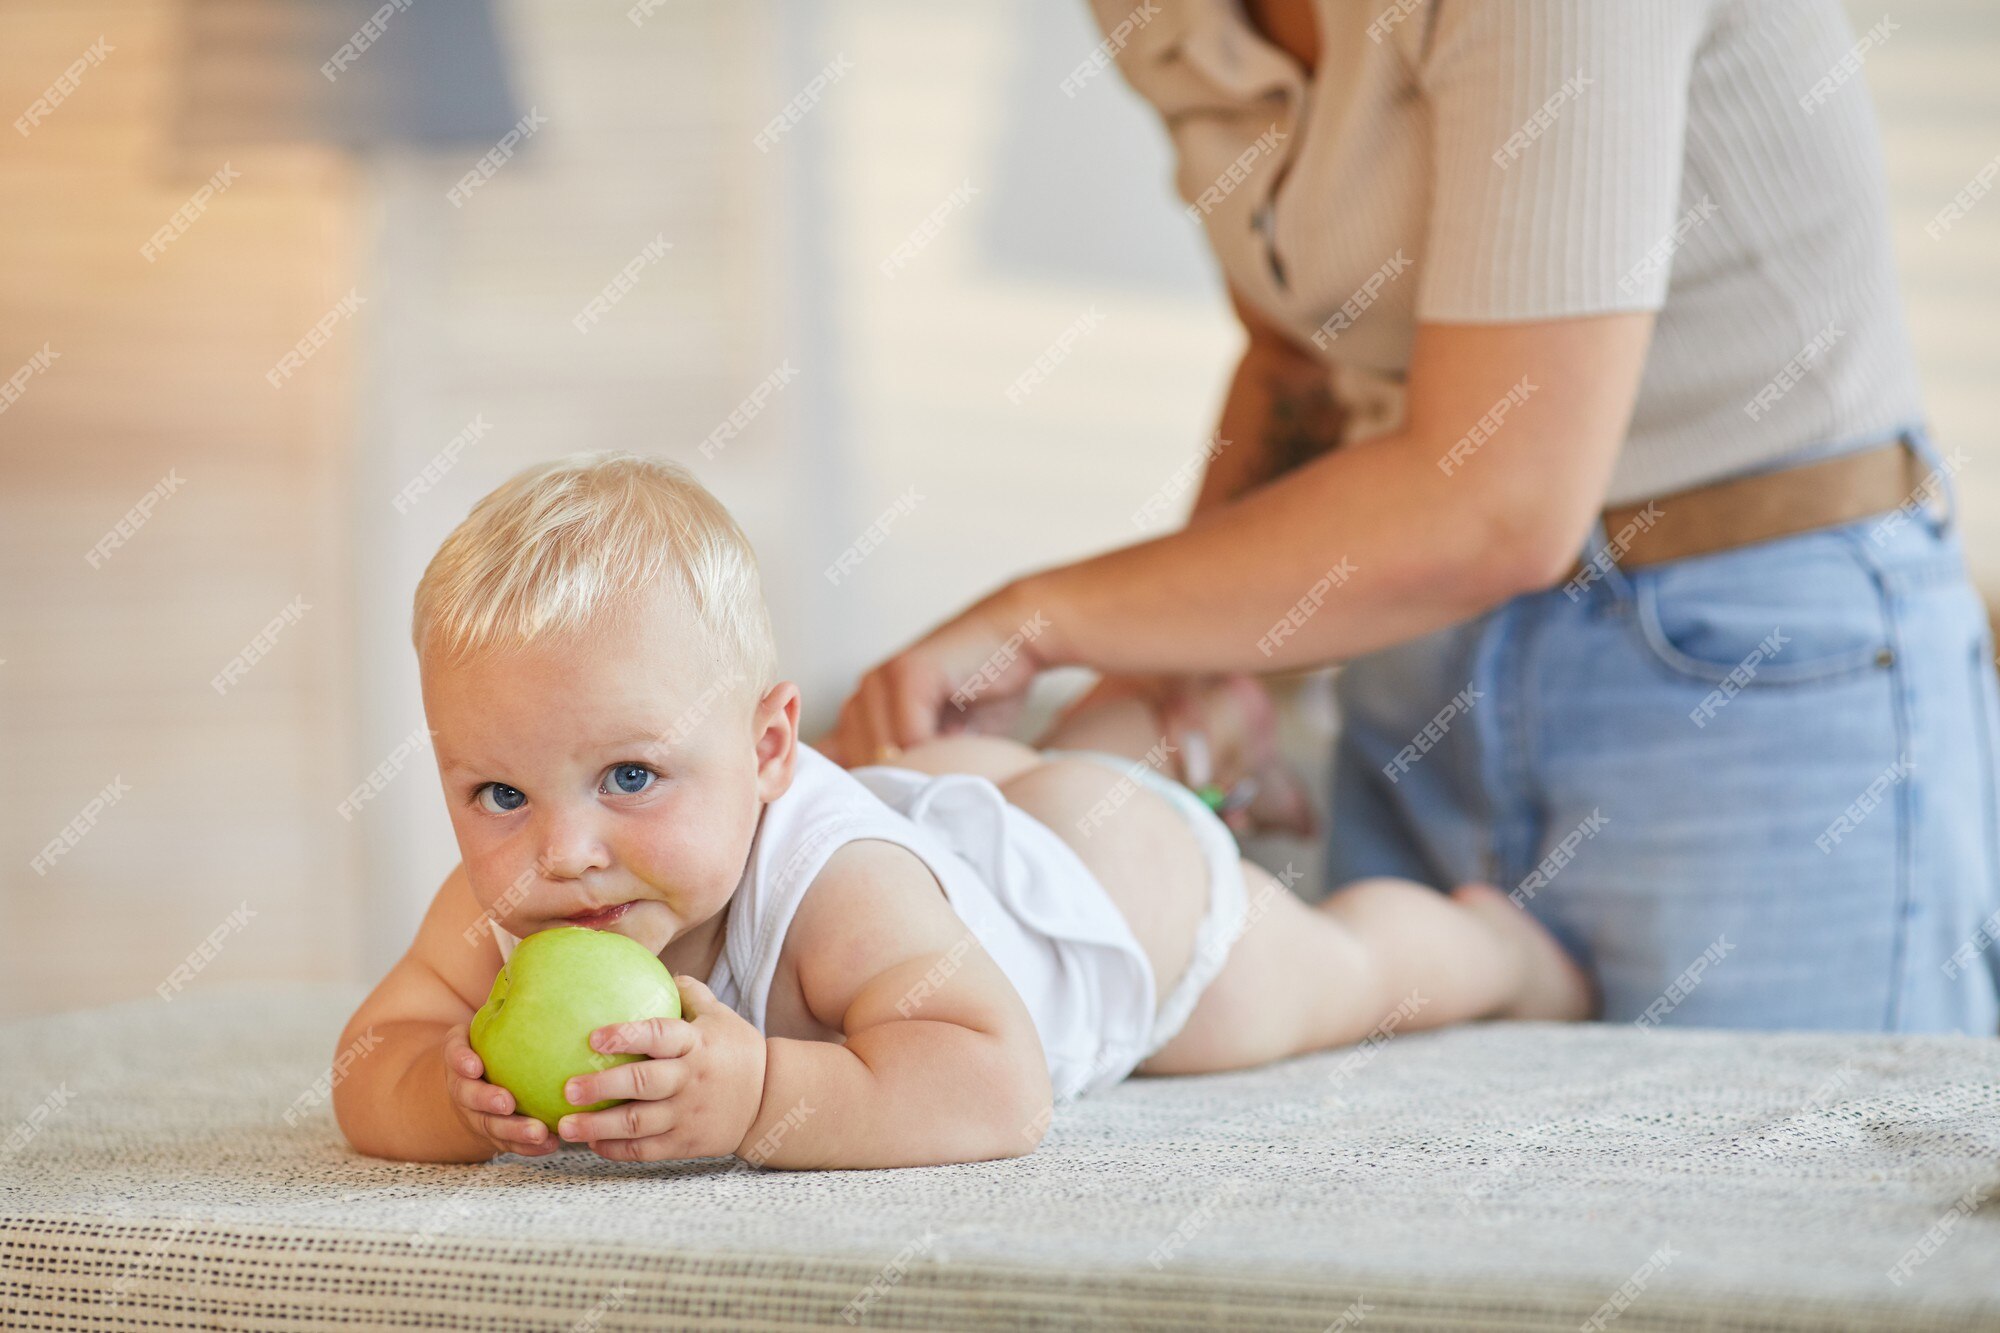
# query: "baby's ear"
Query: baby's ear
777,739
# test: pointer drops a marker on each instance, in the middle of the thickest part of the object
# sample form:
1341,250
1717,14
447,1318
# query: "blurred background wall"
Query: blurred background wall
279,331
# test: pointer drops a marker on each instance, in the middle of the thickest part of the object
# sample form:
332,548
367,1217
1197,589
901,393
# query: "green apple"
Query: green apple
558,987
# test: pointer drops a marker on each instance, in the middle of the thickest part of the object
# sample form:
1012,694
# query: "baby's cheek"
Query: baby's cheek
502,889
702,851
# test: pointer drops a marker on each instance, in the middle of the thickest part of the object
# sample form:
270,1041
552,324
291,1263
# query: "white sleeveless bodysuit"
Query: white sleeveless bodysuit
1024,893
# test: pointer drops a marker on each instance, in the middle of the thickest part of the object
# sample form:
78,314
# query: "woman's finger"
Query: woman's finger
877,738
983,657
857,741
912,681
838,743
990,717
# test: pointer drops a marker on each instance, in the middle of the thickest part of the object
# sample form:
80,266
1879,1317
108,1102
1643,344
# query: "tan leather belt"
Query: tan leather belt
1742,510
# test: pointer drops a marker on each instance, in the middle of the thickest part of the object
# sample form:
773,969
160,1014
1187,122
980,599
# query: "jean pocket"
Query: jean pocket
1802,608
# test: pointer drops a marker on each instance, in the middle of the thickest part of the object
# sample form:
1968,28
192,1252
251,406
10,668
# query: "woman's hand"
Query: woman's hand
697,1094
969,674
972,673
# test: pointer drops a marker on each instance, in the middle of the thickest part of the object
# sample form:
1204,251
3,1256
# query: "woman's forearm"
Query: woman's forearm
1488,490
1312,568
1278,415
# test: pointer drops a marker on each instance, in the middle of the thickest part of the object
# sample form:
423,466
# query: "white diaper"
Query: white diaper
1052,928
1228,898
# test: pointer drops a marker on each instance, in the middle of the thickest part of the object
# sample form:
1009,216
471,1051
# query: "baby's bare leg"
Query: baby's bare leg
1300,978
1303,978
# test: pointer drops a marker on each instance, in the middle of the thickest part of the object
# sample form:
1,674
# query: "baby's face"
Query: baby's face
620,767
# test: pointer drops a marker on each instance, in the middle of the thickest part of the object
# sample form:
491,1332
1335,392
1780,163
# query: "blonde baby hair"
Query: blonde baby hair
560,544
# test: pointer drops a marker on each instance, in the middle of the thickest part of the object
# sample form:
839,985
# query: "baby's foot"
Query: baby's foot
1552,985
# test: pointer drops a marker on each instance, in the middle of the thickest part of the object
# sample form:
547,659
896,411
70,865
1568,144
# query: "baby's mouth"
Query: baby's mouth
599,920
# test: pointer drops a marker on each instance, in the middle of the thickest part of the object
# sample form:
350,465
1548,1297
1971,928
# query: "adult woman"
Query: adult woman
1642,566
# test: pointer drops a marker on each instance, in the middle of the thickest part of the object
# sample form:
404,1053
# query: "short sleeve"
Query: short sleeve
1558,134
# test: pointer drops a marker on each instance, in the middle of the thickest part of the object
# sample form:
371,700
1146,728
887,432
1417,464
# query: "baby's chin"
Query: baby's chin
654,930
644,922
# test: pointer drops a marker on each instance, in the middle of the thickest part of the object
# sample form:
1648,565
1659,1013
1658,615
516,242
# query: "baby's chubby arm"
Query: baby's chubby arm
941,1062
938,1062
401,1098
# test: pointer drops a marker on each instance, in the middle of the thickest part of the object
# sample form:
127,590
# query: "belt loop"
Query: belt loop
1616,582
1937,481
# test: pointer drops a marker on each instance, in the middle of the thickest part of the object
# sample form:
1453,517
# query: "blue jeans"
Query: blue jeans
1748,789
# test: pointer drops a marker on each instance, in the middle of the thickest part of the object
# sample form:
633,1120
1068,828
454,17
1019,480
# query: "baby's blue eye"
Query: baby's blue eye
506,798
631,778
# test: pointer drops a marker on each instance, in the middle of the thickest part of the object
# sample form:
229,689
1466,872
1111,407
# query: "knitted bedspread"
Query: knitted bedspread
176,1165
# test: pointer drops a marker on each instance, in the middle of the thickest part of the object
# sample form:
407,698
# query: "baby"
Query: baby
893,966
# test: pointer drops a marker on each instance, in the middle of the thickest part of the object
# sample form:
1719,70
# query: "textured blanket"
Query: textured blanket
176,1165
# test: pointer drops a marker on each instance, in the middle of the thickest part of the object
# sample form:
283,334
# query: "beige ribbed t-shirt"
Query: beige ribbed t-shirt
1470,161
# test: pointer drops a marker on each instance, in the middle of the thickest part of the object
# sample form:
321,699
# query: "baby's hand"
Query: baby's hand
485,1109
697,1096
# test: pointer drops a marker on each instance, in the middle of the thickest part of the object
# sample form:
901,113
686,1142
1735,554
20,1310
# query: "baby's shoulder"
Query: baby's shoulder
870,863
874,905
866,880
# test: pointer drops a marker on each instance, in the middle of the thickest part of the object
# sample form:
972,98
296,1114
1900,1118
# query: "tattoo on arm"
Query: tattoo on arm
1304,422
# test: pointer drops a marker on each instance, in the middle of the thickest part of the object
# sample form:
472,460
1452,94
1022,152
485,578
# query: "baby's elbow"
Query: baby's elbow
1000,1102
355,1128
362,1130
1026,1124
371,1142
1021,1116
377,1125
1034,1127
